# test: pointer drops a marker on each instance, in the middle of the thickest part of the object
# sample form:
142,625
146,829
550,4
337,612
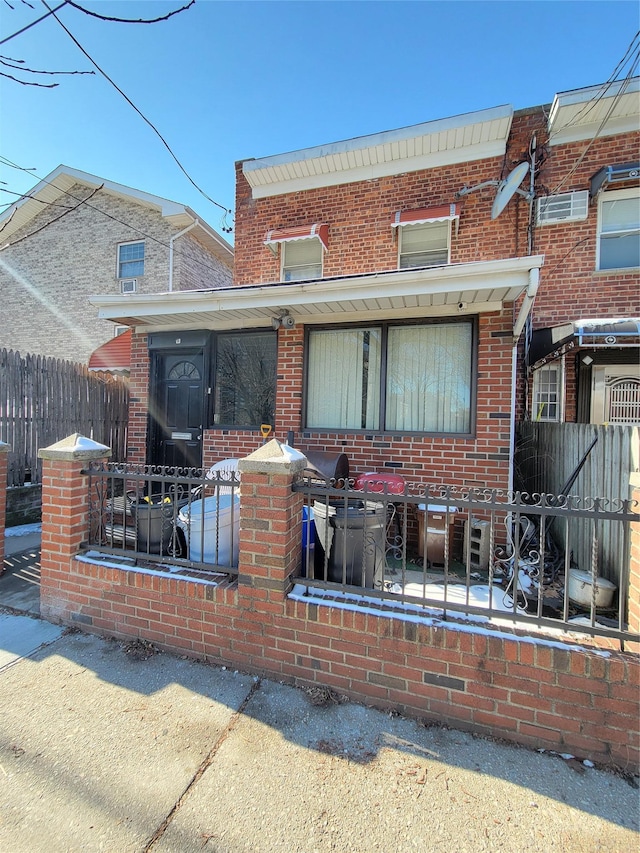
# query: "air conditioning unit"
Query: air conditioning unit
128,285
566,207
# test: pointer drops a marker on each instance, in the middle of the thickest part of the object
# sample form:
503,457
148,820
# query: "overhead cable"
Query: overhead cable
142,116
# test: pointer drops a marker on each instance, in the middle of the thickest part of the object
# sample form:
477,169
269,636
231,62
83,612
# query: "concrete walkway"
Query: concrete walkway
109,746
20,575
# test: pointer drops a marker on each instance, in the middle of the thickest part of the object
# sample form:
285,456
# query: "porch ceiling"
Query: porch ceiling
398,294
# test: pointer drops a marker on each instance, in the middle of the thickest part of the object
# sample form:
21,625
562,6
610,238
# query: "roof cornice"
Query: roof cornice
472,136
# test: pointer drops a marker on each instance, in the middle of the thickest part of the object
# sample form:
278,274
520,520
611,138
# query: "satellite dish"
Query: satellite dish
508,188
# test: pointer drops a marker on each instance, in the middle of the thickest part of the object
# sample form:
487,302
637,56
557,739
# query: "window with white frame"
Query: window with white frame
424,245
619,230
301,260
400,378
547,393
130,260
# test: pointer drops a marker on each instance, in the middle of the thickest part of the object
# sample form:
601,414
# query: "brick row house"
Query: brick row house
76,234
406,297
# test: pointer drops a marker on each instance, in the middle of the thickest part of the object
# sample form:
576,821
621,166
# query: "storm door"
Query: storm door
177,408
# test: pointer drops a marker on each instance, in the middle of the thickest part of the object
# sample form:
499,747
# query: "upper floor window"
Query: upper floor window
424,245
424,235
301,260
130,260
618,230
301,250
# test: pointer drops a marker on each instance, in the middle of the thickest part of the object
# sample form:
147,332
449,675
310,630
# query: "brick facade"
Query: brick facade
55,262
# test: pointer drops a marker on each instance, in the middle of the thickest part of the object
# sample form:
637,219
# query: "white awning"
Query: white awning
454,289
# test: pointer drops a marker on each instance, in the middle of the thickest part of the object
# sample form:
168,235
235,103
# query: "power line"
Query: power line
142,116
32,24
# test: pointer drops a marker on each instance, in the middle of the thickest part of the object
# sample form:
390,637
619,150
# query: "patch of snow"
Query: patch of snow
290,454
97,558
424,615
23,529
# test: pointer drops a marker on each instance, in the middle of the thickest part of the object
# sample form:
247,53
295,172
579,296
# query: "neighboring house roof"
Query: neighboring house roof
603,110
114,356
62,179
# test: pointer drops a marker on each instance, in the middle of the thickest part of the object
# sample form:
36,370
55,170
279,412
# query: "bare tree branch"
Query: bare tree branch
7,62
28,83
130,20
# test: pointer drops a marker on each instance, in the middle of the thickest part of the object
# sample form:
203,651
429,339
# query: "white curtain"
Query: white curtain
343,379
429,378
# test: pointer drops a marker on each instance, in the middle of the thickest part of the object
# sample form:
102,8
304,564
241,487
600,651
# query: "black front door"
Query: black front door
177,408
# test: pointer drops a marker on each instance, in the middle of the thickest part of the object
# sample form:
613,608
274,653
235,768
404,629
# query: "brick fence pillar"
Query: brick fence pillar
65,511
634,564
4,449
270,521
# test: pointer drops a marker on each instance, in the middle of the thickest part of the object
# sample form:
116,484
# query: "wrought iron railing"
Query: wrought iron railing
471,553
185,519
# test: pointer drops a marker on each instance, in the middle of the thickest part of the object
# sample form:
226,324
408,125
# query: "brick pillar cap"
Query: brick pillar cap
75,446
4,447
273,457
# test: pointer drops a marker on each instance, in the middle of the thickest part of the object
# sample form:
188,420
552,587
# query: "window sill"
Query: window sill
617,271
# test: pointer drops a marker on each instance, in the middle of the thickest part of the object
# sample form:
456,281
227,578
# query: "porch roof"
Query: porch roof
398,294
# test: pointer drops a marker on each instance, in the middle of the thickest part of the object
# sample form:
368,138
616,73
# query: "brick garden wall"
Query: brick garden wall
531,691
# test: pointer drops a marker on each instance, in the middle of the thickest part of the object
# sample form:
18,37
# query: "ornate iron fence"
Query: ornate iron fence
484,554
186,520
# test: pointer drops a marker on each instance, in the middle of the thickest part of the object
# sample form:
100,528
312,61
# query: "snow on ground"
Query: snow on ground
23,529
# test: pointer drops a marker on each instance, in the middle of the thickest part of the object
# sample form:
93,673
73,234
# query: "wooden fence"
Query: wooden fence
43,400
547,455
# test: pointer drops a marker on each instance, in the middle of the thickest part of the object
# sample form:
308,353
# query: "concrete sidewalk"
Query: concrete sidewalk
109,746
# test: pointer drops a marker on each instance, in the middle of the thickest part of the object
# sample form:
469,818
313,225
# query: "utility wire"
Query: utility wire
142,116
33,23
57,218
601,127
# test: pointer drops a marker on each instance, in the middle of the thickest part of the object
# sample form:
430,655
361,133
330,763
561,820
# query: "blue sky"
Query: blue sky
225,81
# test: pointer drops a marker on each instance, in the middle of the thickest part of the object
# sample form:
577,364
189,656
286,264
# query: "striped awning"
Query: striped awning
319,230
420,215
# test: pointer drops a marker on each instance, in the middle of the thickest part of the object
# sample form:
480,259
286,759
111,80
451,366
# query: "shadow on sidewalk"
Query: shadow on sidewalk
20,582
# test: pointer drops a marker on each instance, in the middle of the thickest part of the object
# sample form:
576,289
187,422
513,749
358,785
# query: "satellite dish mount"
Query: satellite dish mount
506,188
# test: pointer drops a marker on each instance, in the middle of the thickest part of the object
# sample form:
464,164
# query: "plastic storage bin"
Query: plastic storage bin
355,535
212,529
437,530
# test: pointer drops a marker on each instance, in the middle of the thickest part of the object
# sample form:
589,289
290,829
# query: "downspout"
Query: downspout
171,239
525,310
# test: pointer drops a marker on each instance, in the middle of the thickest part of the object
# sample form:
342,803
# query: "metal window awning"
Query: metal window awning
441,213
606,333
554,341
613,175
319,230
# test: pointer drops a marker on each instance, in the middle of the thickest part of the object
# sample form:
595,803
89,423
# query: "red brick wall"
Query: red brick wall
530,691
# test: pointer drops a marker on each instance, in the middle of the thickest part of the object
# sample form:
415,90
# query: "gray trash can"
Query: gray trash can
154,526
353,535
